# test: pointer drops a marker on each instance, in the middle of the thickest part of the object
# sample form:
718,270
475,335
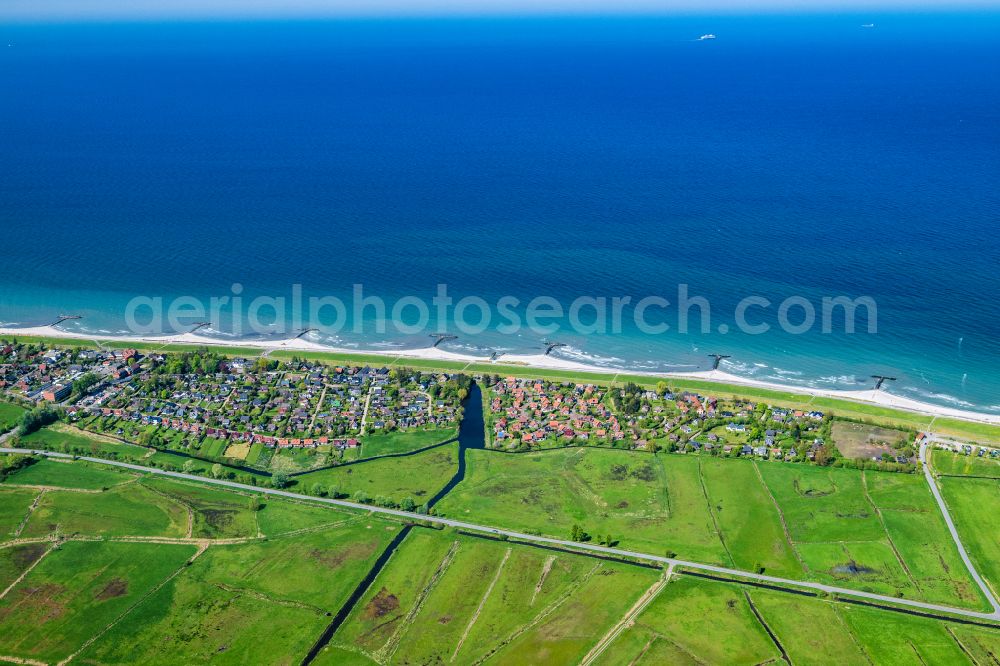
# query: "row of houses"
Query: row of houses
534,410
198,429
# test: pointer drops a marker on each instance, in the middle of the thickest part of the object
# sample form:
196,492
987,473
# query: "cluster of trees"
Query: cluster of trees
400,375
361,497
629,399
200,362
580,535
10,464
878,465
35,419
456,388
83,384
191,466
264,364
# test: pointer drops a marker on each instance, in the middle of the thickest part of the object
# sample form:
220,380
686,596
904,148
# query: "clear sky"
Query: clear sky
157,9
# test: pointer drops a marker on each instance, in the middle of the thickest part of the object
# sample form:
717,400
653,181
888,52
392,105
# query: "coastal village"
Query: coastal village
526,414
221,406
246,409
538,413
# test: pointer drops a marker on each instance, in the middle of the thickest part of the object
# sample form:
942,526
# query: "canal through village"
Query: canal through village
471,435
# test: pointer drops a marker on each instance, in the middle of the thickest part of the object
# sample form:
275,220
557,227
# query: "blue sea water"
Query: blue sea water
565,157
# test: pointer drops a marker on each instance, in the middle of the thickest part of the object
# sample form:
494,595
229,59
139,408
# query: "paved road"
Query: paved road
603,550
951,527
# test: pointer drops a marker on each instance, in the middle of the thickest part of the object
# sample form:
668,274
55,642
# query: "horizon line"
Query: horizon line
25,11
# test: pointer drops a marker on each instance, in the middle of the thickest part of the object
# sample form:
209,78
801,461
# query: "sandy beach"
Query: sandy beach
540,361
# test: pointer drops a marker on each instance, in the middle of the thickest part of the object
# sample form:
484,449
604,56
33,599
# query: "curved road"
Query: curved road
987,592
604,550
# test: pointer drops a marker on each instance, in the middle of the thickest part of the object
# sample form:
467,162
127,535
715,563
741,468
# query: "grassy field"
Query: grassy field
892,638
747,518
253,455
191,620
691,526
15,560
873,531
77,591
983,645
861,440
646,502
378,616
402,441
974,505
70,439
282,516
877,531
287,568
14,504
128,510
950,463
445,597
418,476
10,414
695,622
978,432
810,631
284,589
212,447
65,474
175,462
217,514
66,438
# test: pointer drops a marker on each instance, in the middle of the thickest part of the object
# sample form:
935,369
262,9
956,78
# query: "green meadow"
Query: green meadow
418,476
747,519
694,621
127,510
14,507
646,502
69,439
949,463
261,577
673,628
874,531
445,597
15,559
193,620
283,589
216,514
280,516
10,414
67,474
77,591
974,505
403,441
